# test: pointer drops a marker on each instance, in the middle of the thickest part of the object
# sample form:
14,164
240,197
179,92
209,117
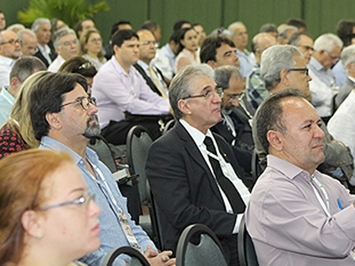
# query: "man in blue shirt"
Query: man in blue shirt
64,119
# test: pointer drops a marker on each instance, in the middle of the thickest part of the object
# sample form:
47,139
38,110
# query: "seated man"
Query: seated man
235,126
193,173
64,119
120,88
297,215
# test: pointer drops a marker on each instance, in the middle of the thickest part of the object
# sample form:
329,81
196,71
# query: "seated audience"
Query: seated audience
28,42
91,48
122,92
300,24
84,25
192,172
187,53
120,25
201,34
17,132
285,33
181,24
303,41
16,27
49,218
154,28
269,28
296,214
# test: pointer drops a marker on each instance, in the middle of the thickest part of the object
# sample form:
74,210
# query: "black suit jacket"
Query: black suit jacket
52,55
344,92
185,189
148,80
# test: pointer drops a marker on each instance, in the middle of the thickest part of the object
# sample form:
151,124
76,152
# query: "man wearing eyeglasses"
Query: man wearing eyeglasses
304,43
64,119
192,172
282,67
327,48
10,51
235,126
66,45
153,76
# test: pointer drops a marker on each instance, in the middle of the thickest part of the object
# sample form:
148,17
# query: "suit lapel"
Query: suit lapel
148,80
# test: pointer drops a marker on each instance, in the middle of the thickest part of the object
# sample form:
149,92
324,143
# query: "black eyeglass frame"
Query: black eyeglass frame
219,91
91,100
306,70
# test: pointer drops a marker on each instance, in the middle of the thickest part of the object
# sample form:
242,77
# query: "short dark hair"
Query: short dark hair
175,37
269,115
345,30
178,24
25,66
297,22
123,35
182,33
149,25
210,45
79,25
80,65
268,27
114,26
47,97
295,37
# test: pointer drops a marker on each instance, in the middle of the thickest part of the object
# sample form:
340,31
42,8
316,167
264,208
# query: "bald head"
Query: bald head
260,43
147,48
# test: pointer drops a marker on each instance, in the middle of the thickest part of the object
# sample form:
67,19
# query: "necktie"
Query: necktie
227,186
156,82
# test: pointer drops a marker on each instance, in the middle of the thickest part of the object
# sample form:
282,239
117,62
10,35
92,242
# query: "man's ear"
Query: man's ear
115,48
212,63
184,107
283,77
33,223
54,120
275,139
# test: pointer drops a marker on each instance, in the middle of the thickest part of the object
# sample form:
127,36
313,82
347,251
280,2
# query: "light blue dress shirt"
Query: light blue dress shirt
6,103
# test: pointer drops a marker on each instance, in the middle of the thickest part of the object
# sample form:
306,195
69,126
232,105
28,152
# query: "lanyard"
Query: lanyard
325,194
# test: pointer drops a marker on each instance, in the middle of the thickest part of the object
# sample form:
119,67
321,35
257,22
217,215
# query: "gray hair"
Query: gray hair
348,57
14,26
274,60
222,32
25,66
327,42
61,33
269,115
283,31
234,25
180,86
223,74
38,22
23,32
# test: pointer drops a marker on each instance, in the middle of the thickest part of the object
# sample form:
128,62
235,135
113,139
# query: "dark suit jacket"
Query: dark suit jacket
148,80
185,189
52,55
344,92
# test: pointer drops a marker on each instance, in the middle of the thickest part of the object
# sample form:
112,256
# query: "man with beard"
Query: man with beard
64,119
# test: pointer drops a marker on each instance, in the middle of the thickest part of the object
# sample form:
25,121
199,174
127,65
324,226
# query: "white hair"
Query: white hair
327,42
347,57
38,22
235,25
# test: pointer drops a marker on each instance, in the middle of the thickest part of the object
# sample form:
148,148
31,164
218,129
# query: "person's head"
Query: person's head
80,65
28,42
42,28
218,50
16,27
125,45
174,42
9,44
57,24
85,24
20,112
188,40
193,96
260,43
2,21
91,44
347,57
22,69
240,35
285,32
231,81
300,24
346,31
181,24
304,43
283,66
45,207
147,48
154,28
61,109
269,28
201,34
65,43
288,127
327,48
120,25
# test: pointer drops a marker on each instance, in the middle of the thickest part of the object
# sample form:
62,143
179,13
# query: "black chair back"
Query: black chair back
246,250
137,258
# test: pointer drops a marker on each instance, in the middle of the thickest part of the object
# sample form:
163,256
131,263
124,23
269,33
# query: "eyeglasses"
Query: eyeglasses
305,70
334,58
306,47
67,43
207,94
233,96
84,102
80,201
148,42
11,42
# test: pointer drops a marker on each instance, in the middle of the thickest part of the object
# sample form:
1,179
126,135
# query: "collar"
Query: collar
120,69
7,95
143,65
44,49
196,134
6,60
288,169
316,65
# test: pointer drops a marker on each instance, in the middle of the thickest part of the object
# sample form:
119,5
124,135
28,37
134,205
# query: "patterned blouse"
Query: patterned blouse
11,141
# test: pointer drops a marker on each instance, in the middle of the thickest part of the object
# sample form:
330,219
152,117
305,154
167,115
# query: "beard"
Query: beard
92,128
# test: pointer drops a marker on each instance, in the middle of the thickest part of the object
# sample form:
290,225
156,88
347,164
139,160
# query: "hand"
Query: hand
158,259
